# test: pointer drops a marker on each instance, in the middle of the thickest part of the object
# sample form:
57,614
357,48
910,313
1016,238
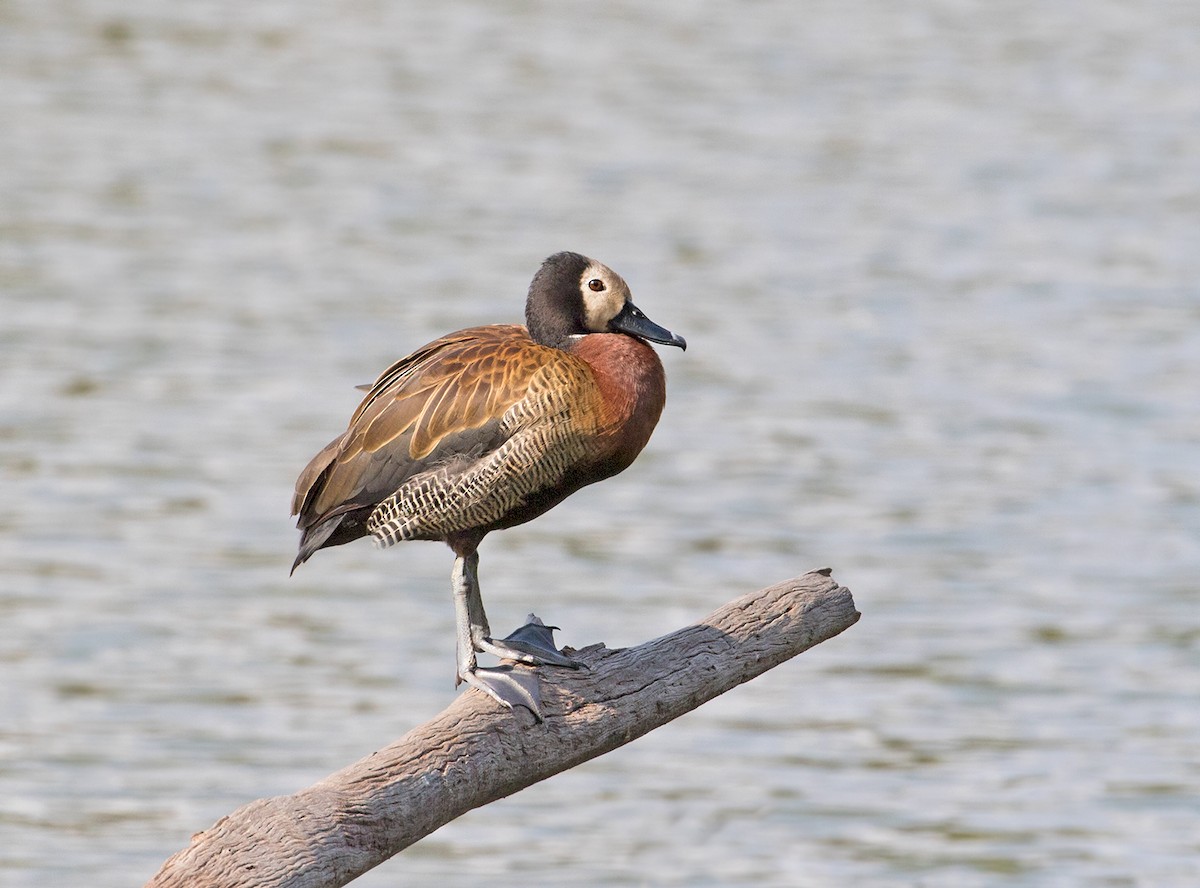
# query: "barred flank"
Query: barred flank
542,448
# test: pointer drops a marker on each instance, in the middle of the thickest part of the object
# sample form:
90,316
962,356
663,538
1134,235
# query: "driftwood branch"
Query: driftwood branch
474,752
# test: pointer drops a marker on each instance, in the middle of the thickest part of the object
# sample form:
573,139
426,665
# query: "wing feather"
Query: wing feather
445,399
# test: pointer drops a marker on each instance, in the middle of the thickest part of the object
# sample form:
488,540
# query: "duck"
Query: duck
488,428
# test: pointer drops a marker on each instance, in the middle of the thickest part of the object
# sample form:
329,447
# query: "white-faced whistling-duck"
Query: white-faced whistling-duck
488,428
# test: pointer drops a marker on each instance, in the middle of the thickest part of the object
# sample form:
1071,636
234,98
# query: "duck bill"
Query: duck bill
633,322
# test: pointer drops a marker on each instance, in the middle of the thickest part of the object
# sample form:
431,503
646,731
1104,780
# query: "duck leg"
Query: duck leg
533,643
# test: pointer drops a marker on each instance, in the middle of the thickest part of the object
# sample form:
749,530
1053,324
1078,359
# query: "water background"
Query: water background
937,264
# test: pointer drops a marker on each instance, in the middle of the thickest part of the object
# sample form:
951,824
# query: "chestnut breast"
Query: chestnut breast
631,388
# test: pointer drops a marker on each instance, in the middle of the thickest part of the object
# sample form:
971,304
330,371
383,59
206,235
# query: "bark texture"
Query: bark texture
474,752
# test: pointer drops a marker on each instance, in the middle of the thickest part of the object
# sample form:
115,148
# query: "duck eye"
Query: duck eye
595,285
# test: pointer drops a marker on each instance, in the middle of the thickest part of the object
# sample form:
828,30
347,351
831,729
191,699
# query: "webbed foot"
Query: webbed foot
532,643
508,686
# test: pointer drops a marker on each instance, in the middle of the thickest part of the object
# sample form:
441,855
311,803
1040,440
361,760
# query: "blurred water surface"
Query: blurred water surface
937,264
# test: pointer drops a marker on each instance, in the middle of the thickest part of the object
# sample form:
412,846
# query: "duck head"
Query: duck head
572,295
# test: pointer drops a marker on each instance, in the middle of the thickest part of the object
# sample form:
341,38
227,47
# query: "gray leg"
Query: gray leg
475,614
536,649
501,683
461,582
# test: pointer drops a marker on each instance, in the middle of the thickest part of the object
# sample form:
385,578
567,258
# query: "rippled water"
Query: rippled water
937,265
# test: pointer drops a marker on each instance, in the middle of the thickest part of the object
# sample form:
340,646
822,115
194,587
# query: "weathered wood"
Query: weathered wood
474,752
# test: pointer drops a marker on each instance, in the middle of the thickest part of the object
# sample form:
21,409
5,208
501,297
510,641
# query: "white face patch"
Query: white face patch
604,294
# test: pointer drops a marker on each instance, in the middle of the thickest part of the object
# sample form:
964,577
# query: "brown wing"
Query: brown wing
443,402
